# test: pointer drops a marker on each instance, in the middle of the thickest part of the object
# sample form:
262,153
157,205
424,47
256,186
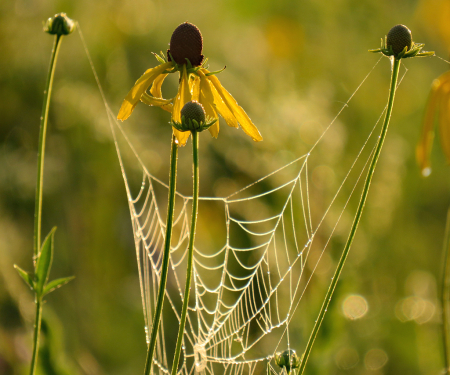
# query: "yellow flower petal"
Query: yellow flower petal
150,100
195,88
183,96
214,129
181,137
444,121
155,91
213,99
423,149
139,88
247,125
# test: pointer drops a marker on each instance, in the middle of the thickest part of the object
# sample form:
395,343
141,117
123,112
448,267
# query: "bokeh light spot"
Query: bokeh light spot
375,359
355,307
346,358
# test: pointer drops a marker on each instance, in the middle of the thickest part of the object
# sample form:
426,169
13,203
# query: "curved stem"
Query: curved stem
41,147
187,288
362,202
445,296
37,332
166,256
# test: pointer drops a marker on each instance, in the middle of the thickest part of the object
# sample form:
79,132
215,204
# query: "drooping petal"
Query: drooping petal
151,100
444,122
183,96
194,85
155,91
139,88
247,125
425,144
214,129
206,98
211,99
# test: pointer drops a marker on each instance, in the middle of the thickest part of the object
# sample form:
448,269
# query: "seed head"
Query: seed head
287,359
59,24
186,43
399,37
193,111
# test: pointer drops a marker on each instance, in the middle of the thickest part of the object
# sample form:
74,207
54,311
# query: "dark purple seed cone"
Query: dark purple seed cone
399,37
193,111
186,43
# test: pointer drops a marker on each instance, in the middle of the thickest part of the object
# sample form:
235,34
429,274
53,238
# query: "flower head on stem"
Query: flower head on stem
399,43
59,24
197,83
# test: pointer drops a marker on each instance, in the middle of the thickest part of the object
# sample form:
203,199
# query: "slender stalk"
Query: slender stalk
41,147
166,256
37,333
39,186
362,202
445,296
187,288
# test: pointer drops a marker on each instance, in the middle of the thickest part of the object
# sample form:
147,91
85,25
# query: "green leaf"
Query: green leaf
44,262
25,276
55,284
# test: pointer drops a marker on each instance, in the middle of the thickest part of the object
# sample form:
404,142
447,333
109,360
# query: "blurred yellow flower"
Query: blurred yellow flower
438,103
196,83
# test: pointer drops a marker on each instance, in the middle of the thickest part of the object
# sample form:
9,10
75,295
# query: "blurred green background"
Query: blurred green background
291,65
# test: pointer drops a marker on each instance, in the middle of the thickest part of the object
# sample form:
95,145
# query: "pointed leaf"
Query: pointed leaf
44,262
25,276
55,284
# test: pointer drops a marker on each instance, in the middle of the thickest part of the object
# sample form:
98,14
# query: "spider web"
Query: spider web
245,292
247,286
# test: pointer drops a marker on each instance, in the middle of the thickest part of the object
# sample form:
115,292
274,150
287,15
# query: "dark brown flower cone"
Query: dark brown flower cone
186,43
399,37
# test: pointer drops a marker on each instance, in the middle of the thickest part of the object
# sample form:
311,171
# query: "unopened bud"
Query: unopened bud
59,24
398,38
287,359
193,118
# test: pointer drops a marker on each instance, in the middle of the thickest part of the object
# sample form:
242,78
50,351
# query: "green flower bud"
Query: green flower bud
398,38
193,118
287,359
59,24
193,111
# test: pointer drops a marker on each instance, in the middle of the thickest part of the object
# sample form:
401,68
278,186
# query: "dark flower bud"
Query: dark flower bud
186,43
287,359
59,24
398,38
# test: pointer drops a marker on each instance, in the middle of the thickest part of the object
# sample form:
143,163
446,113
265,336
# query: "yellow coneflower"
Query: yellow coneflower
196,84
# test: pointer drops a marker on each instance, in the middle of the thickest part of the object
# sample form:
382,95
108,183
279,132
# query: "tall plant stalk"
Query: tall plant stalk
166,257
362,202
39,186
41,147
195,167
58,25
445,296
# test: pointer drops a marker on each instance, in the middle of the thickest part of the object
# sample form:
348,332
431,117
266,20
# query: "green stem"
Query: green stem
362,202
41,147
445,296
166,256
187,288
37,332
39,186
